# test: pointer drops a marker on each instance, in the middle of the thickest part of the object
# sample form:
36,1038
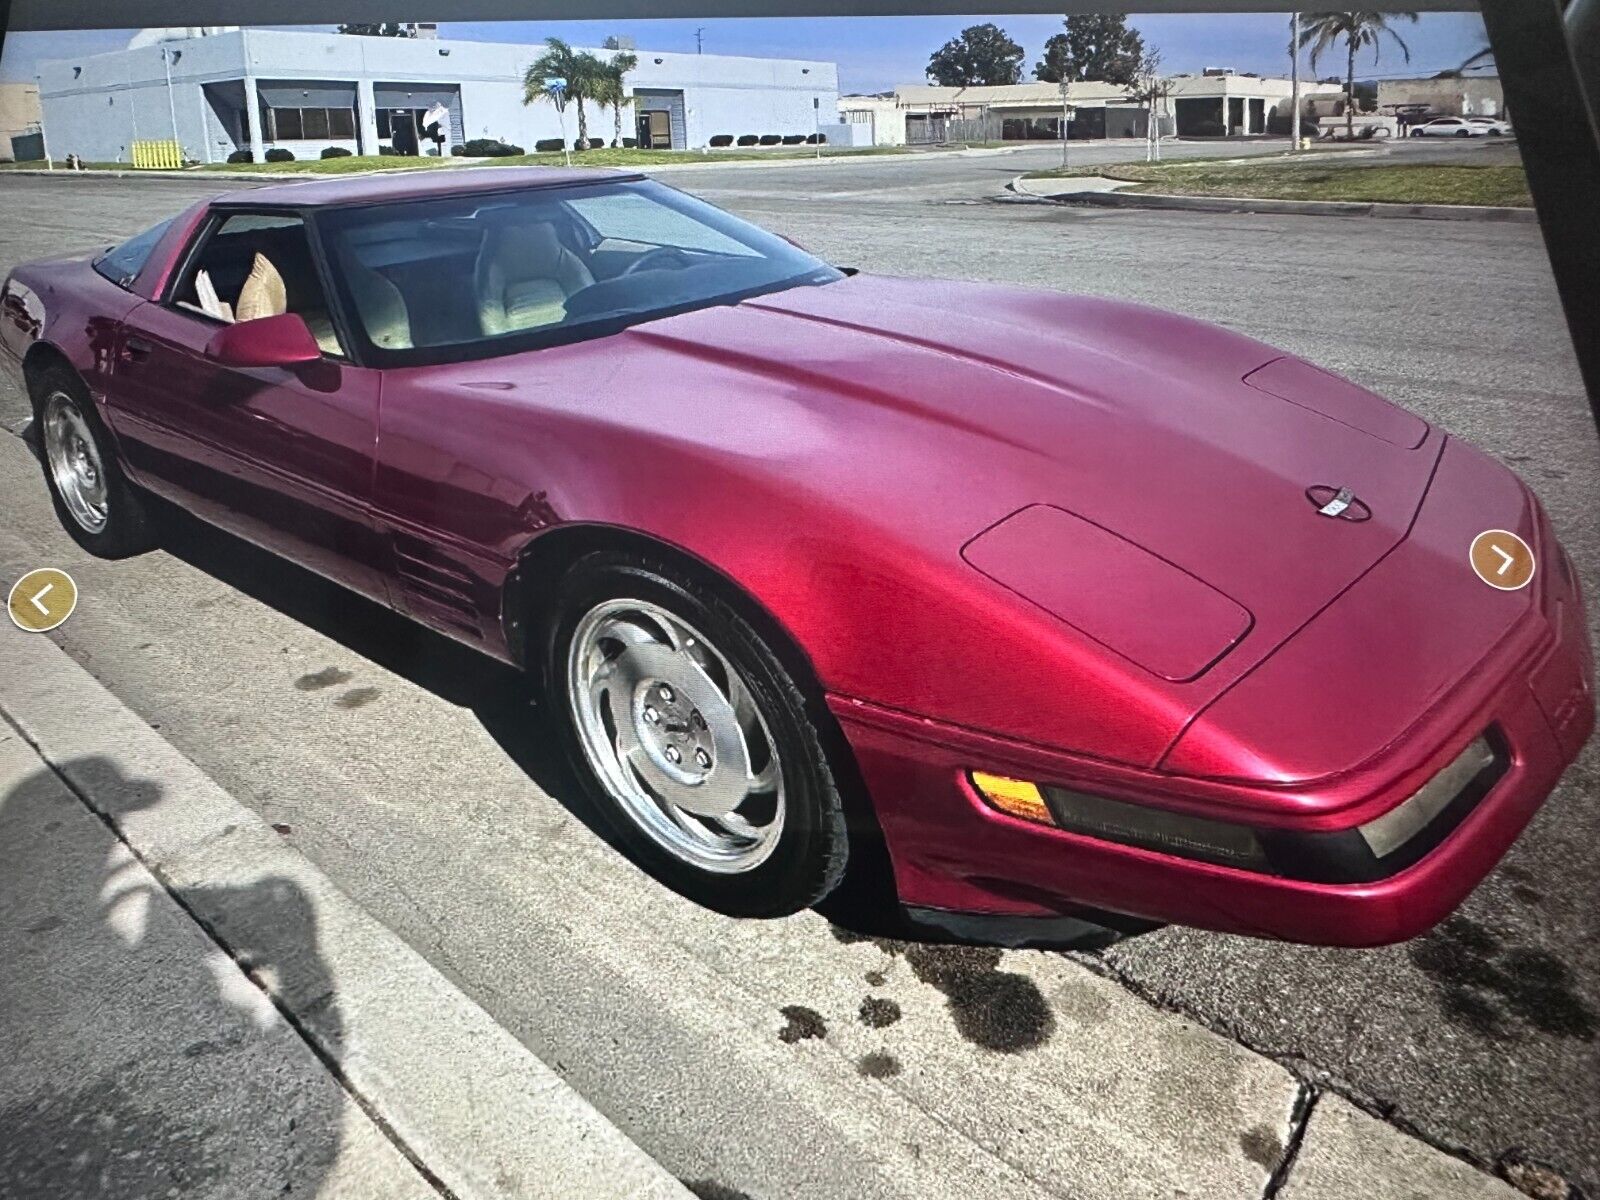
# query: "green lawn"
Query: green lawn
1277,179
356,164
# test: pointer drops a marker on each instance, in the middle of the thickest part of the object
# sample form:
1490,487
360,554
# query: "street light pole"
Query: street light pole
172,108
1294,82
1066,119
44,138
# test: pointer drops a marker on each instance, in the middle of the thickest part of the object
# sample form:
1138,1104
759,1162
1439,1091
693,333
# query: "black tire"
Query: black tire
1463,133
1418,133
128,529
809,857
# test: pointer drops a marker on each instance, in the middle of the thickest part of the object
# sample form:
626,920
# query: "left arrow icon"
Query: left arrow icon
42,599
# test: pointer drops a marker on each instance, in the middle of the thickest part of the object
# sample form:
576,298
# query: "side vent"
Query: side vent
435,589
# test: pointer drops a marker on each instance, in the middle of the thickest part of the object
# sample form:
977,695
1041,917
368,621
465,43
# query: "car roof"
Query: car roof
416,184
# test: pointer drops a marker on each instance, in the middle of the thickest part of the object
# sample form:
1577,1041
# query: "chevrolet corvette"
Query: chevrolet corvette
1069,608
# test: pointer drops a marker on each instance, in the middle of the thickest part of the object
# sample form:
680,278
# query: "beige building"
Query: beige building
1213,104
1459,96
19,114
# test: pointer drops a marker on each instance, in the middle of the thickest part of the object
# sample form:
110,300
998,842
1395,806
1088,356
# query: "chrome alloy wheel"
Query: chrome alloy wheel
675,736
74,462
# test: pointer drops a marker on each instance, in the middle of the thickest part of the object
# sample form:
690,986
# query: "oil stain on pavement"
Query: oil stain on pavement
878,1065
801,1023
1484,985
997,1010
316,680
878,1013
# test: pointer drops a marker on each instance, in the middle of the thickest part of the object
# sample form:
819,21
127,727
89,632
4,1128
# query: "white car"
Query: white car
1448,127
1492,126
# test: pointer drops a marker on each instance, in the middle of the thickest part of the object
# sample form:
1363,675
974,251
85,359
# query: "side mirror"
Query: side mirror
281,341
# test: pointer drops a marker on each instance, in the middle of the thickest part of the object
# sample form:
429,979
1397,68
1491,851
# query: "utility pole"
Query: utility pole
44,137
1294,82
167,59
699,39
1066,119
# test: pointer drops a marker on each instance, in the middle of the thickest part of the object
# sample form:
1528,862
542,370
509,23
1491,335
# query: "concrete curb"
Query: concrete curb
1309,208
458,1093
309,176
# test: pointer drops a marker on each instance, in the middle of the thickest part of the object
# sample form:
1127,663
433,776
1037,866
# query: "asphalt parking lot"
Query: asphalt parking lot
389,761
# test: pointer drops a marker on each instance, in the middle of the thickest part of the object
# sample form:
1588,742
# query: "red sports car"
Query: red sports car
1079,607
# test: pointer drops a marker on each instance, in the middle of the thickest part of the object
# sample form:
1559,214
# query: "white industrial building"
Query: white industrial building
1217,103
255,89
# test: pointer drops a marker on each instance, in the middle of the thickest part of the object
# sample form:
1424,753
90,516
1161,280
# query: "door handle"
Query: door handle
136,349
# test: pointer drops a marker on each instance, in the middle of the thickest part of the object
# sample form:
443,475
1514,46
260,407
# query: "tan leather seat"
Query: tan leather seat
379,306
524,276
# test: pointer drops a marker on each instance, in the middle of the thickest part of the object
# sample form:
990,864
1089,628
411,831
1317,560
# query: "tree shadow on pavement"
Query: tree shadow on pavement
138,1064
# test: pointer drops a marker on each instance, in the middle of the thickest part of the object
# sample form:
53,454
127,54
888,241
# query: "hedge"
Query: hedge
793,139
241,156
335,152
279,154
492,148
722,139
771,139
546,145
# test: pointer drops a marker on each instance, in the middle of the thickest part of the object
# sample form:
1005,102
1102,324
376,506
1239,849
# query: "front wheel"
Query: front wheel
1417,133
93,499
692,739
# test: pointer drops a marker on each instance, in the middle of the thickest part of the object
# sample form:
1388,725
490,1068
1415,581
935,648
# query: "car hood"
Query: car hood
955,405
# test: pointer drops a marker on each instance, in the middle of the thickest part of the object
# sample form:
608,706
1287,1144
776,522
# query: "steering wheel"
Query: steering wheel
638,264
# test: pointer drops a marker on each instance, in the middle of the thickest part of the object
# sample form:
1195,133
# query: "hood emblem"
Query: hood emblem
1339,503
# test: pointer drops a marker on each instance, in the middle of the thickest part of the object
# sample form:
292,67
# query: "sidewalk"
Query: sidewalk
191,1009
140,1059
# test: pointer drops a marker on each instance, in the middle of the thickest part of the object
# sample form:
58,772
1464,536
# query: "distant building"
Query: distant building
256,89
19,122
1219,103
1450,96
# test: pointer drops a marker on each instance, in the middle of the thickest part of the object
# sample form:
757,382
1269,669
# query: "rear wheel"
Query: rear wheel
693,741
93,499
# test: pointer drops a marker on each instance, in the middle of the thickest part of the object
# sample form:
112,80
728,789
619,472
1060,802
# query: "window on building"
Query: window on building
308,124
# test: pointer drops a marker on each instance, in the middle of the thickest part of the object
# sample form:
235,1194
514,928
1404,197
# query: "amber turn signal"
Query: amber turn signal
1017,797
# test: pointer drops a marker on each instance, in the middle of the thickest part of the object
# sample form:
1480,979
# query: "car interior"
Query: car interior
259,266
420,278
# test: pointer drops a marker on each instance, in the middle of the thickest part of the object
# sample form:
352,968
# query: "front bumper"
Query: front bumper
1532,694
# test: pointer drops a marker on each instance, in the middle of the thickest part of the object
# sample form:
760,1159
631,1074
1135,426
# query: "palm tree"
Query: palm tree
582,71
612,91
1359,29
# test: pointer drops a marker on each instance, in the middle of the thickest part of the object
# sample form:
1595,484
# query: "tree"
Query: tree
1358,30
1094,46
1150,88
982,55
582,71
387,29
611,90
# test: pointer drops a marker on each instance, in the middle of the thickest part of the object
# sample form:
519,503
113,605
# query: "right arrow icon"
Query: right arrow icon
1502,559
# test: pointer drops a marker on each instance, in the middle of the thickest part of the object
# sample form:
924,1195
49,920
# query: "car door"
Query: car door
281,456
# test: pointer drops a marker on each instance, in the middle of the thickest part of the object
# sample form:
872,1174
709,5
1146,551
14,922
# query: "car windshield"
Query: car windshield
122,264
483,274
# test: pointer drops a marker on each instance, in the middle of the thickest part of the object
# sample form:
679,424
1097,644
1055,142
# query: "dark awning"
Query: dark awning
310,93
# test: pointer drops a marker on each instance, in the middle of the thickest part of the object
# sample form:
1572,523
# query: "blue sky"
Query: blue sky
875,53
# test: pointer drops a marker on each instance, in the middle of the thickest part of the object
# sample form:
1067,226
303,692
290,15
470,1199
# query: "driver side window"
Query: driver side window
256,265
